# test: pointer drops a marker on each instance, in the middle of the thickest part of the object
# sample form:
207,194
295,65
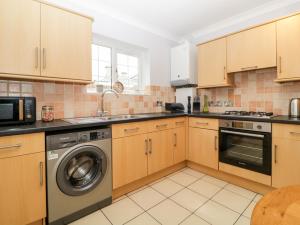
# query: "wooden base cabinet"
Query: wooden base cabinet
129,159
144,148
160,151
203,147
22,189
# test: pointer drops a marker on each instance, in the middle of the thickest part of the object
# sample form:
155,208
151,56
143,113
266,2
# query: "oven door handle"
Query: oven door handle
242,134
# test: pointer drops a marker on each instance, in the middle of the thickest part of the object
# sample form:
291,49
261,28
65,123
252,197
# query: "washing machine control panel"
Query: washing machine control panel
94,135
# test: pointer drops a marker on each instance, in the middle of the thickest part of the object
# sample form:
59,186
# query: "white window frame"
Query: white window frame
131,51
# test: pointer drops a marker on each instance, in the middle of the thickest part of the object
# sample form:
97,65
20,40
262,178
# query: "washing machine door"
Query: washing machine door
81,170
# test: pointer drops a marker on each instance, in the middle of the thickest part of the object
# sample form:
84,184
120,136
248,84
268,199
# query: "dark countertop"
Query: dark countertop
286,120
60,125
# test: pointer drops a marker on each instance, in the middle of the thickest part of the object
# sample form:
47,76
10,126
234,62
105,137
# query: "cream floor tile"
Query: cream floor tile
137,190
243,221
241,191
167,187
249,210
204,188
189,199
217,214
257,197
231,200
194,220
122,211
193,173
96,218
183,178
147,198
120,198
169,213
215,181
144,219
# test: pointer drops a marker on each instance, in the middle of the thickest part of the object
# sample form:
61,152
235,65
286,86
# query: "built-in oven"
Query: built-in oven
17,110
246,144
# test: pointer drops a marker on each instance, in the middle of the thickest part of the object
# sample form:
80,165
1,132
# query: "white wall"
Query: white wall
265,13
158,47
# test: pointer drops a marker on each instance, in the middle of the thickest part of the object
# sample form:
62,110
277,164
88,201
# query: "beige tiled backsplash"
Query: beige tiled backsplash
253,91
72,100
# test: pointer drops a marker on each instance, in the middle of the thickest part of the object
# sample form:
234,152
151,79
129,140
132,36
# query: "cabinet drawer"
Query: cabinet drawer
179,122
205,123
129,129
157,125
17,145
286,131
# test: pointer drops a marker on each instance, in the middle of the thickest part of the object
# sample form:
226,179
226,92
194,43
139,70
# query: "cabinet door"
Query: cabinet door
288,47
212,63
129,159
34,187
285,166
11,192
20,37
203,147
252,49
160,151
179,136
66,44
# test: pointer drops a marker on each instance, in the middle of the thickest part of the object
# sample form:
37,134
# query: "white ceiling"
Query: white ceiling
177,18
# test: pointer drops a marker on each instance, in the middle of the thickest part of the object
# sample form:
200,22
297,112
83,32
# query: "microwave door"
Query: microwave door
9,110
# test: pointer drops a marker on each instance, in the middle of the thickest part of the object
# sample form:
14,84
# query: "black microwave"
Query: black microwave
17,110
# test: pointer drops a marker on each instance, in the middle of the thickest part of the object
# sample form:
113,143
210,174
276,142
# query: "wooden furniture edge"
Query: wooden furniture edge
64,8
41,78
250,27
146,180
239,181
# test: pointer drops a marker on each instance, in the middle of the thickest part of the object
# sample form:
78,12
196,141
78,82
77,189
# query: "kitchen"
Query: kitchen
113,114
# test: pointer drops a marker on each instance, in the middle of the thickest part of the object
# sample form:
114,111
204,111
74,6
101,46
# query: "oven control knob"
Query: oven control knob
259,127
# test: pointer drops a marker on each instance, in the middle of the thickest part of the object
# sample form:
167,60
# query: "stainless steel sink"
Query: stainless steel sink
101,119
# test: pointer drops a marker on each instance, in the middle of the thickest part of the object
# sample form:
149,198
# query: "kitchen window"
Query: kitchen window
111,64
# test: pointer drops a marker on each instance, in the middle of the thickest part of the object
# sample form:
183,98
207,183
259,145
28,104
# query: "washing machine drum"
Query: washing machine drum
81,170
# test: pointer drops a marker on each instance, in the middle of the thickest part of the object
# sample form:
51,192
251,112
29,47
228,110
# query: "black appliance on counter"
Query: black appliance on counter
174,107
17,110
246,144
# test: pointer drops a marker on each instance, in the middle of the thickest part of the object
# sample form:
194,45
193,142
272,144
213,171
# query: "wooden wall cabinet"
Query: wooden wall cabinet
212,70
203,144
23,181
43,42
144,148
20,37
285,155
252,49
288,48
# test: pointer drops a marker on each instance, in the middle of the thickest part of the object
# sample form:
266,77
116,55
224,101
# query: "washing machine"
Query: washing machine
79,177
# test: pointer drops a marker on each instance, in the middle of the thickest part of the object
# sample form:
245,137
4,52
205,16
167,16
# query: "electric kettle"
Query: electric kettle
294,109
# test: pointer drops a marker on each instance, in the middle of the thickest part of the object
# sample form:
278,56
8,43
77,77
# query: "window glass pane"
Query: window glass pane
128,71
102,64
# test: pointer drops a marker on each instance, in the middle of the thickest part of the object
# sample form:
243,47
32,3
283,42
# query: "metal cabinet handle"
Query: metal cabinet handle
146,147
216,143
161,126
294,133
280,64
175,140
132,130
225,72
36,57
150,146
10,146
249,68
179,123
275,154
44,58
198,123
41,173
